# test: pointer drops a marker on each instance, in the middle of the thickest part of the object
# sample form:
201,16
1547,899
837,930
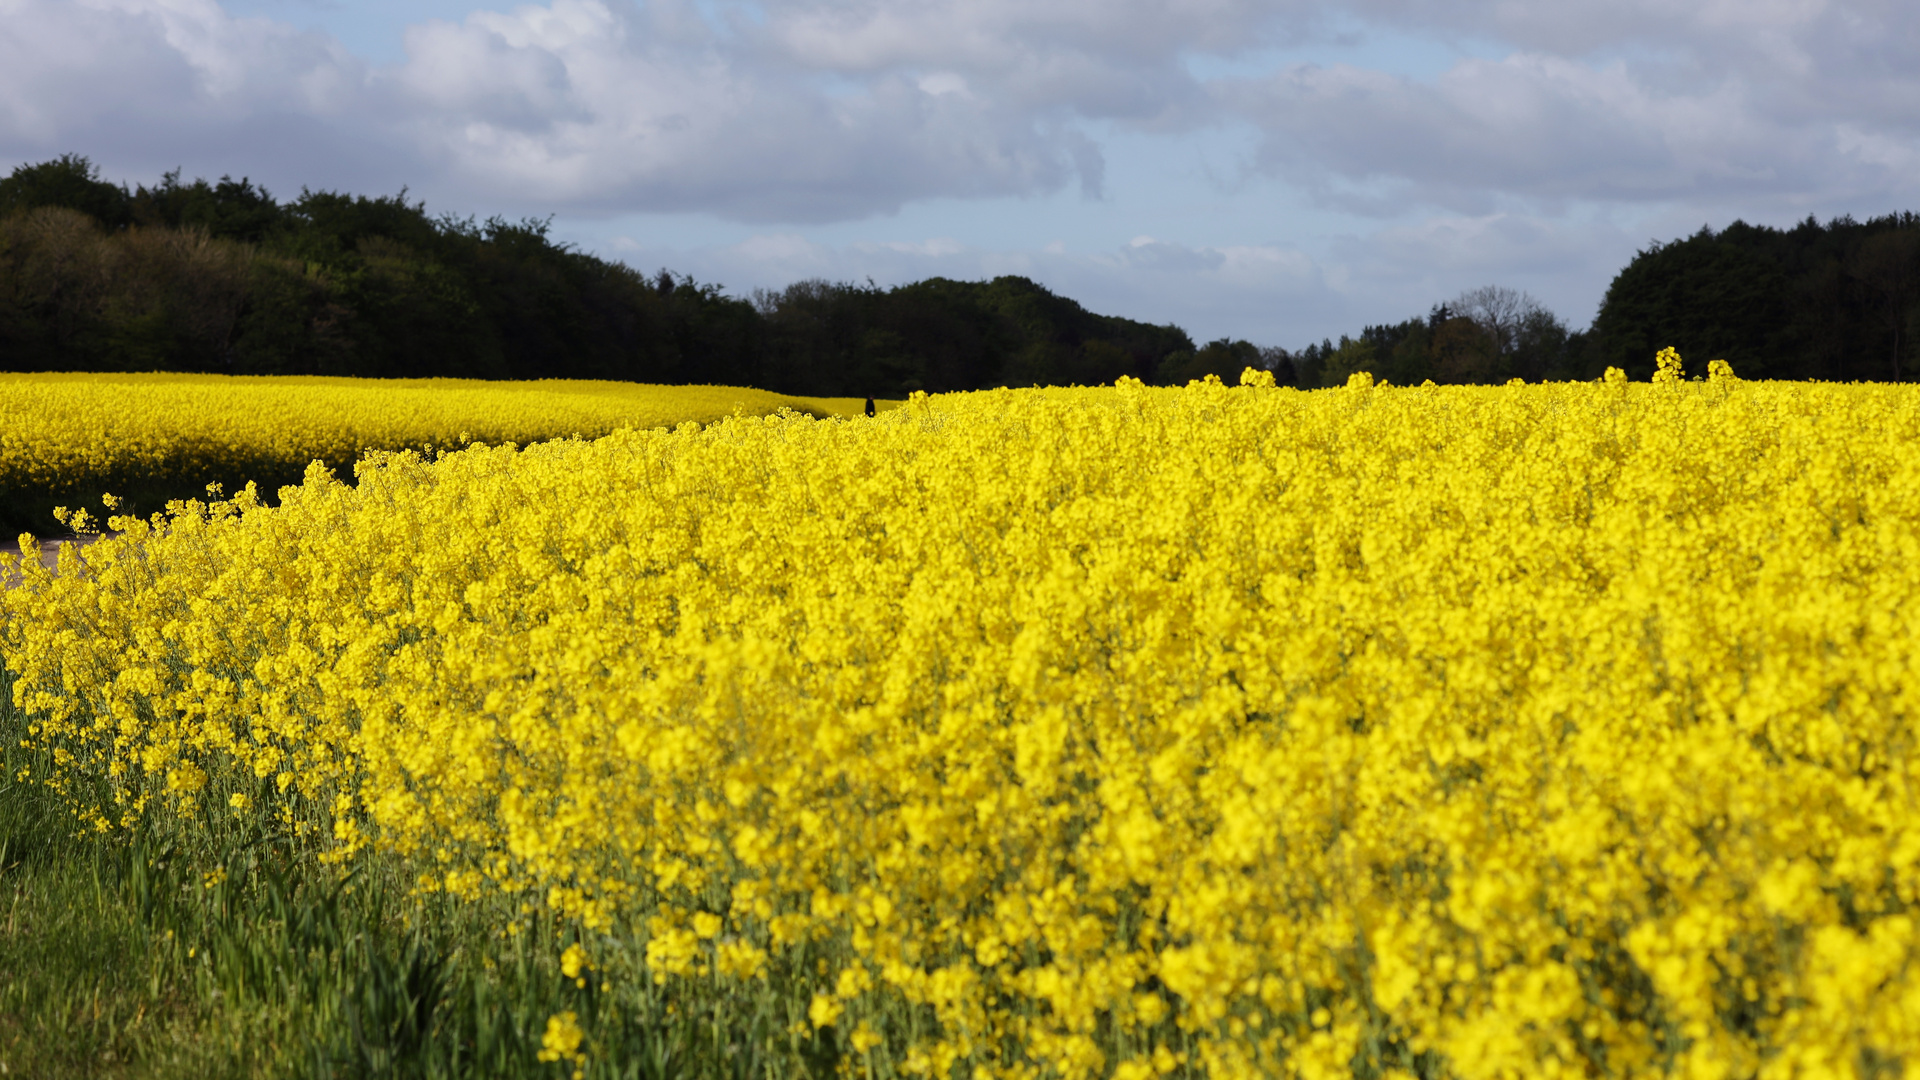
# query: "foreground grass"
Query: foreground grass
134,957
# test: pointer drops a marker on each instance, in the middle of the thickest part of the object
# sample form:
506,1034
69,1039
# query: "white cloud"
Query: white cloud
1558,131
1437,258
943,82
819,110
933,246
1268,293
578,105
1547,128
1271,293
69,64
1775,103
611,106
144,85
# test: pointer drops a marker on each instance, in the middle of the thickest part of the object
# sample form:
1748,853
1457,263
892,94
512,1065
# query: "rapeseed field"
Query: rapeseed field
1538,730
148,438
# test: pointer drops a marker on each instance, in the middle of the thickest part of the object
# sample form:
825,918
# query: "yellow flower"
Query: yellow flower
1667,367
1242,732
573,961
824,1010
562,1039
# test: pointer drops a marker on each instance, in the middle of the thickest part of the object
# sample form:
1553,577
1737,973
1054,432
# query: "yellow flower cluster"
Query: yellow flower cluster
92,433
1553,730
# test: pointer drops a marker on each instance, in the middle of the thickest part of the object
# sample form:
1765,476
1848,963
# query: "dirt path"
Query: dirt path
49,553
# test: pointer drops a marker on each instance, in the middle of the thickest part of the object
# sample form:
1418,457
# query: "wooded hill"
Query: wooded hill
222,277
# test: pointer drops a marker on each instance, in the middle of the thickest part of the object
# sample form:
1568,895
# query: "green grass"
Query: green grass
138,956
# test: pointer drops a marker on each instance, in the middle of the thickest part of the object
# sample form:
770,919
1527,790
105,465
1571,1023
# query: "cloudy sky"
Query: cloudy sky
1280,170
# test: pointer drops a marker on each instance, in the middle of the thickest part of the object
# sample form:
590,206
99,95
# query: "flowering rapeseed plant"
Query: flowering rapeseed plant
1486,732
91,432
561,1041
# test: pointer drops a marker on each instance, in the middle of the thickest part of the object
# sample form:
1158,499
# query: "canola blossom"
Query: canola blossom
79,435
1117,732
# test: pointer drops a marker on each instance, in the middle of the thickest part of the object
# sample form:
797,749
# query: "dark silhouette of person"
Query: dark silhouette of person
869,406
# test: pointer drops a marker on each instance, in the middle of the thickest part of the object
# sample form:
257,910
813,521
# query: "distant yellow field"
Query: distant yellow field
73,436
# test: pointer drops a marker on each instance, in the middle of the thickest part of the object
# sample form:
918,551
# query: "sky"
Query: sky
1277,170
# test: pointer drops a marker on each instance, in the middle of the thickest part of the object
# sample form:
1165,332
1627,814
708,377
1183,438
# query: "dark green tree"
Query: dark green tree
69,181
1223,358
199,276
1887,265
228,210
1713,296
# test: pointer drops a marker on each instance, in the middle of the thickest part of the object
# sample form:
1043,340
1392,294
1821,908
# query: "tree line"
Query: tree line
1837,301
1485,335
222,277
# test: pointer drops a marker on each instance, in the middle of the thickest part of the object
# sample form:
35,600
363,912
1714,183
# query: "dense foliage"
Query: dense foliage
221,277
1838,301
1478,732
